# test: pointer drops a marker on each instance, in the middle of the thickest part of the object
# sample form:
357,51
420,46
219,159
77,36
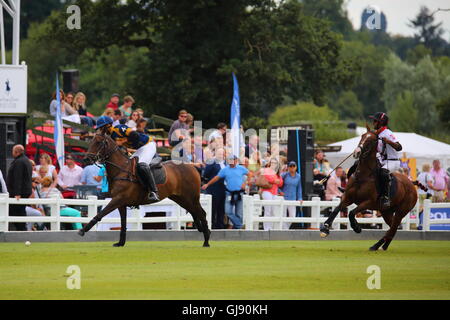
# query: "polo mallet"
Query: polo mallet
329,175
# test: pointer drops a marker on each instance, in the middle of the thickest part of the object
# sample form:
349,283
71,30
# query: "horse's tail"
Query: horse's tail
421,186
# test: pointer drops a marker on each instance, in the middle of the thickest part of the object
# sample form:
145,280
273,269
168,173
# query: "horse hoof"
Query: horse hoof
81,232
206,245
373,249
118,244
357,230
324,232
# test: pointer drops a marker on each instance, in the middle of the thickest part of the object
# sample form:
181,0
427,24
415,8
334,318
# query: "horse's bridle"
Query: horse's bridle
366,149
102,154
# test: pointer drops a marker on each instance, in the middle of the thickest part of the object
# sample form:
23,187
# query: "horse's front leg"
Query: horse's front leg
351,216
123,227
325,230
112,205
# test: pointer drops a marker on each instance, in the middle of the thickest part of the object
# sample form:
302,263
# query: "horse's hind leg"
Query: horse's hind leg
123,227
395,221
199,215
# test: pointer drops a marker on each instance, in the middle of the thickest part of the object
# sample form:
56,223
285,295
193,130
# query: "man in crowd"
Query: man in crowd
219,133
235,177
70,174
113,102
440,181
18,182
88,177
179,129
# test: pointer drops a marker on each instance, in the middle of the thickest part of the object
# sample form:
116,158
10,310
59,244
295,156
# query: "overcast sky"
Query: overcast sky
398,13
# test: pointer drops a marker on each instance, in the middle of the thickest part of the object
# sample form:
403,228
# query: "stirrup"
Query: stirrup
385,202
153,196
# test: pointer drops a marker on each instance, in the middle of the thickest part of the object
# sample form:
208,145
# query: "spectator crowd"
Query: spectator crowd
259,170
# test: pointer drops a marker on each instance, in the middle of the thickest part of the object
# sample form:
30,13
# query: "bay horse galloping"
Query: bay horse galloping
182,185
362,190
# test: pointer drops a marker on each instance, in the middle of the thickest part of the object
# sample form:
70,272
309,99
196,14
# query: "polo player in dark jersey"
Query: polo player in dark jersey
144,146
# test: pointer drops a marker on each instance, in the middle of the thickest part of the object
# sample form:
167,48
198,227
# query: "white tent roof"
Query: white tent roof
414,146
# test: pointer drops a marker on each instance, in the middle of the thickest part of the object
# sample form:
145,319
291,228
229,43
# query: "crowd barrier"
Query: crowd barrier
253,213
136,218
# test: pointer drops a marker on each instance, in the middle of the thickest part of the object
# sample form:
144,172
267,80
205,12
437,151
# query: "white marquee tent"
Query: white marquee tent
423,149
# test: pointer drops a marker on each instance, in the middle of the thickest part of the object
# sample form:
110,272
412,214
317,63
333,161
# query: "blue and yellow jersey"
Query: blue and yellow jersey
132,138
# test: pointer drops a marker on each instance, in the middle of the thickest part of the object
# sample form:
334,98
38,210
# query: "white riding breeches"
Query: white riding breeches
391,165
146,153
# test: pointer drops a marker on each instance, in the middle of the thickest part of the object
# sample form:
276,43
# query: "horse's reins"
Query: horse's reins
363,155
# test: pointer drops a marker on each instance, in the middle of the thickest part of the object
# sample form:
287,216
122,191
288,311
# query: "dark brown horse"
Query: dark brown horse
182,185
362,190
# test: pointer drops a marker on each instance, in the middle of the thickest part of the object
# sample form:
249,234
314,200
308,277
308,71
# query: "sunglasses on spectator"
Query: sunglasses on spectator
292,166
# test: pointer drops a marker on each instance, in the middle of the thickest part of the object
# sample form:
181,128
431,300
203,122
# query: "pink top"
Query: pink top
332,190
271,176
440,179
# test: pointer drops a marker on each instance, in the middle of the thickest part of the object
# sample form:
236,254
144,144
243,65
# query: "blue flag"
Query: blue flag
235,120
58,134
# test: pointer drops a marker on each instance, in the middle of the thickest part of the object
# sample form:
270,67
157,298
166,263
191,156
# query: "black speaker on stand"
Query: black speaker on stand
70,80
12,132
301,150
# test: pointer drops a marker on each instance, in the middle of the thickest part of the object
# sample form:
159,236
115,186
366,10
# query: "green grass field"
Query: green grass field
227,270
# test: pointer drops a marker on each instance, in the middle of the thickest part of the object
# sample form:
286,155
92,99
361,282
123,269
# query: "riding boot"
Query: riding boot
385,178
149,179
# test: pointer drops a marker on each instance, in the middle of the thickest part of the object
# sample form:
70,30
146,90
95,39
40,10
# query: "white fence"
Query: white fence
253,204
252,213
178,217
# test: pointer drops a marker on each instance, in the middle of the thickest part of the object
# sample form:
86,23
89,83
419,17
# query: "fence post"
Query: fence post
209,210
55,213
426,214
4,211
315,213
282,212
248,211
137,215
92,208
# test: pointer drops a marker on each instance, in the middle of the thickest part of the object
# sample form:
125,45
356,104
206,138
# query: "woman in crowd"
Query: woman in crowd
34,210
79,104
47,191
126,108
46,161
291,190
271,174
109,112
67,112
141,126
133,119
321,164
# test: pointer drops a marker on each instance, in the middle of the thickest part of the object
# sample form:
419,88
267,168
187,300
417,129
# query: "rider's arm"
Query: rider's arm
396,145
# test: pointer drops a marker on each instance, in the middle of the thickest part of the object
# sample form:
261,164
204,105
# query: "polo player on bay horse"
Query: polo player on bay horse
143,145
387,148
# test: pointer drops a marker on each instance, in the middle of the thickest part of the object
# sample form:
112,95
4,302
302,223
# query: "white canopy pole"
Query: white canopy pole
2,36
13,9
16,32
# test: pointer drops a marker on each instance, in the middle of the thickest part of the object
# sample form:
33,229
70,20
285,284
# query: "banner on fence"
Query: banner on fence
440,213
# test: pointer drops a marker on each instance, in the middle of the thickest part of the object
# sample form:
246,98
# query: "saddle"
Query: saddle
158,171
